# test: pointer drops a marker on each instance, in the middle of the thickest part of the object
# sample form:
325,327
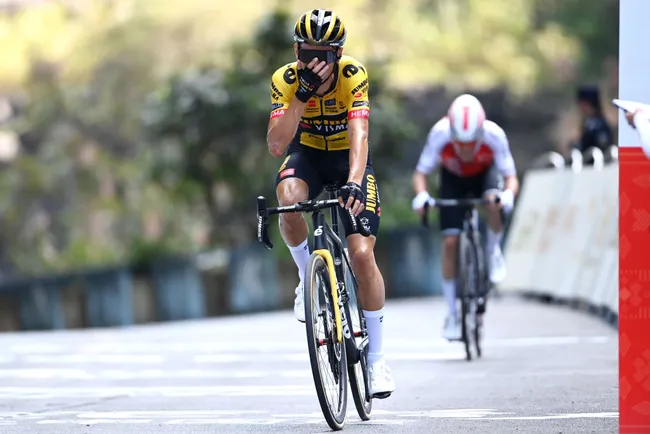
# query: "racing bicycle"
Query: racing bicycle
340,349
472,277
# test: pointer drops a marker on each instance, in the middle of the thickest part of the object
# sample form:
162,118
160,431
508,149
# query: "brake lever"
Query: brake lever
425,220
263,223
356,224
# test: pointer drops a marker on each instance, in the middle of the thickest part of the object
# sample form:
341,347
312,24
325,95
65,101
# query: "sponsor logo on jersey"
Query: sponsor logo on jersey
287,172
372,194
275,92
324,127
278,113
289,76
362,114
362,87
284,163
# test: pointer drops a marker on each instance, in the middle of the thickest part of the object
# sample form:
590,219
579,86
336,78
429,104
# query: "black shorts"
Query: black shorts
320,168
453,186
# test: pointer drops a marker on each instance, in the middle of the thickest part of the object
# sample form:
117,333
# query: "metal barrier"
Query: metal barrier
106,297
183,288
576,160
592,157
595,157
549,159
563,241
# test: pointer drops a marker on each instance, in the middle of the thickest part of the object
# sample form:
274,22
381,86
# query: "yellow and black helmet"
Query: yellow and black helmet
320,27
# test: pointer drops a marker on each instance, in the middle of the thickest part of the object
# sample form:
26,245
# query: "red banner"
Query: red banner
634,291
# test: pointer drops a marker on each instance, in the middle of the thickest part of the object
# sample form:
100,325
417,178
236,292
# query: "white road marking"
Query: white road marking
183,417
94,358
225,358
138,347
217,358
606,415
213,422
145,374
16,393
157,374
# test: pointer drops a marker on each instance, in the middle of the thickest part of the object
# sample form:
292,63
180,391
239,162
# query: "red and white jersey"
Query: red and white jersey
492,149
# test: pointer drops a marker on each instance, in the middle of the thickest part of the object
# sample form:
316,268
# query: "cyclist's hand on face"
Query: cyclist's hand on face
421,199
311,77
321,68
351,196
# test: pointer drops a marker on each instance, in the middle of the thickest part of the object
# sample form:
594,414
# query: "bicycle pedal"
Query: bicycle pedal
382,395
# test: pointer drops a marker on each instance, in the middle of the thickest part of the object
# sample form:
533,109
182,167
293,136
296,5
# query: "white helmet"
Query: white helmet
466,117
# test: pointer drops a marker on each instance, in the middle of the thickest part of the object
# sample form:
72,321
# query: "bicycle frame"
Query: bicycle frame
331,236
323,235
471,229
470,222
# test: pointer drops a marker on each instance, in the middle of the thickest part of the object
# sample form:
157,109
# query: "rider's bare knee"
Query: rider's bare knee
449,244
362,257
290,191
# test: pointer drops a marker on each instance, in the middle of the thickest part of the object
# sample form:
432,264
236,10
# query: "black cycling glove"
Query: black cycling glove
352,189
308,84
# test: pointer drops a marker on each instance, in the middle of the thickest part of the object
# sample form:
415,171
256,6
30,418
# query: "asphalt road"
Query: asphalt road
545,370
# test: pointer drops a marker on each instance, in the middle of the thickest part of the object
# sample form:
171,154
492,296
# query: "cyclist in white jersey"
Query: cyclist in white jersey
473,154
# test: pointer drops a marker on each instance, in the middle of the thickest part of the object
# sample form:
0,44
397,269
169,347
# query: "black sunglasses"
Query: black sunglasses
306,56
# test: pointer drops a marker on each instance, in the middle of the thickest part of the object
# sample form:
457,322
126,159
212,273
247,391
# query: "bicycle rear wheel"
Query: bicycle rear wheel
357,372
468,276
327,357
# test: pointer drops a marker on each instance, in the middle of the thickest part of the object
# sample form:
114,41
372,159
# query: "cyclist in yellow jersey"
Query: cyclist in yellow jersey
319,124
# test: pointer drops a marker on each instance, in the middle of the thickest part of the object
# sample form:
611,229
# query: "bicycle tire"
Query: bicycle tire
482,290
468,278
358,374
314,293
357,371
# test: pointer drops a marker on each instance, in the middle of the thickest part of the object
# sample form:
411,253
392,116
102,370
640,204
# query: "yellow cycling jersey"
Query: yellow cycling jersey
324,124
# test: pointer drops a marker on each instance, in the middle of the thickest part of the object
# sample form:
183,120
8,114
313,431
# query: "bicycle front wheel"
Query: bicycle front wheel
468,276
327,357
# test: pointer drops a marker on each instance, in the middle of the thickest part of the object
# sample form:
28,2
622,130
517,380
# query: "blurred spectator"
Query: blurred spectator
595,131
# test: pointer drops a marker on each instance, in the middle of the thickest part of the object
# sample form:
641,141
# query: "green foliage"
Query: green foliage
212,122
143,251
143,123
593,24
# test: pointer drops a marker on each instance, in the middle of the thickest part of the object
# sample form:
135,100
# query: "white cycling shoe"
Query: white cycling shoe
381,384
299,303
497,266
452,329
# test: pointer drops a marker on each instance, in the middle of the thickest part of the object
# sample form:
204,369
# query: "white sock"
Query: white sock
300,254
493,240
449,290
375,328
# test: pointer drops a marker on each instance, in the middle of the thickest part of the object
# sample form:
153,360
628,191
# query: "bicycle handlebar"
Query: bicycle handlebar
450,203
264,212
